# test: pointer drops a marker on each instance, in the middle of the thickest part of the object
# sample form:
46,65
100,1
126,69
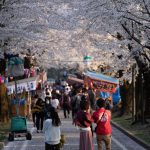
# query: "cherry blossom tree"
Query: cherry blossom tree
128,22
64,32
135,21
60,33
115,33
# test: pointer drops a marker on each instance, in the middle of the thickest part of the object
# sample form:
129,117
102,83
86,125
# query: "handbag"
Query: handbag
98,122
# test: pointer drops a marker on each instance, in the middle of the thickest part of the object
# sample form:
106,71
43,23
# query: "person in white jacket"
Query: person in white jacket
51,129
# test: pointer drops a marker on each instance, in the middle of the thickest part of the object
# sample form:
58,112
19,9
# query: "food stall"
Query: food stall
107,86
24,88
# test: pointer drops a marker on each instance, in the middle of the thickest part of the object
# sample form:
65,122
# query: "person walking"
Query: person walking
75,102
102,118
39,110
55,102
66,105
33,109
47,107
84,120
92,97
108,104
51,130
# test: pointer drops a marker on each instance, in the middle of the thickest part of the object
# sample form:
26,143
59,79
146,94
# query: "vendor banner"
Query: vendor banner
103,86
27,86
100,82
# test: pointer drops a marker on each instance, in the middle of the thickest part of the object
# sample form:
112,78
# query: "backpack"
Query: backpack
83,98
75,104
65,100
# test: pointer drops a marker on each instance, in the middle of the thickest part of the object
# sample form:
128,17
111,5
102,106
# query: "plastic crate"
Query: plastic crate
18,124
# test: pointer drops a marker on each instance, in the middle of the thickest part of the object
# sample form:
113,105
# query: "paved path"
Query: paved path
119,140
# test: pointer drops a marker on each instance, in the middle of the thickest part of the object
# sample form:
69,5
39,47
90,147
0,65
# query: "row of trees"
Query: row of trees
136,24
130,26
115,33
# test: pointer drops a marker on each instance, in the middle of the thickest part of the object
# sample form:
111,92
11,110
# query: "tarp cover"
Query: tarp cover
115,96
75,80
15,67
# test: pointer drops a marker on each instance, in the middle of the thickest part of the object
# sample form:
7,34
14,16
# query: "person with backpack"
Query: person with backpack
102,118
33,109
39,110
75,102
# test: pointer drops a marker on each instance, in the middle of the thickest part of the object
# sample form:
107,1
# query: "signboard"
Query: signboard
101,82
103,86
27,86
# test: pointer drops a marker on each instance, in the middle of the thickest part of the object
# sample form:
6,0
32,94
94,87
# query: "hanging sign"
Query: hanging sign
27,86
103,86
100,82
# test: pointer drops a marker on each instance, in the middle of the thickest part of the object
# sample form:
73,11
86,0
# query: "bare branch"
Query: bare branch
146,7
138,17
137,22
131,35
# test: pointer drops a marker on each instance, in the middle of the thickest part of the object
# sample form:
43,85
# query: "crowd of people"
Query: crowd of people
86,109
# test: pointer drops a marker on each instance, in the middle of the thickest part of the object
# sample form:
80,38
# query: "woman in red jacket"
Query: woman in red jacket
84,120
102,118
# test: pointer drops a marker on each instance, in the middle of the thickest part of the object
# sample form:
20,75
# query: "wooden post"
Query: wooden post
142,98
133,94
17,98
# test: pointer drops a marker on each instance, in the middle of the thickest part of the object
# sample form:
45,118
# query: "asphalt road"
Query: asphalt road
119,140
